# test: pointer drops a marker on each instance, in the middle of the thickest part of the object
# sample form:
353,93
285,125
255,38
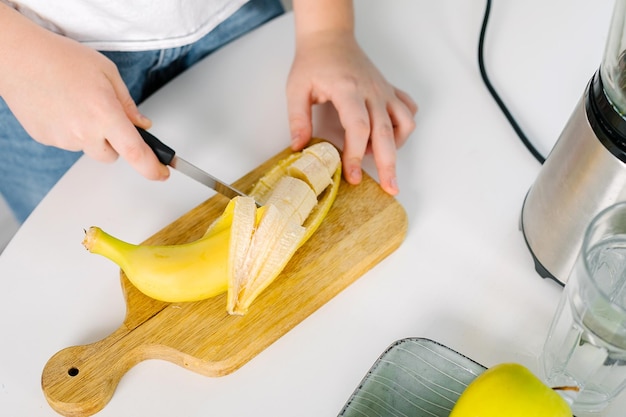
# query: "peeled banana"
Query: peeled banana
247,247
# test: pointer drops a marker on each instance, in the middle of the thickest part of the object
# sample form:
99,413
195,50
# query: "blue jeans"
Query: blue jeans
28,169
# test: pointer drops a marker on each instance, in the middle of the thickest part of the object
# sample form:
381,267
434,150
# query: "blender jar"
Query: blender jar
613,67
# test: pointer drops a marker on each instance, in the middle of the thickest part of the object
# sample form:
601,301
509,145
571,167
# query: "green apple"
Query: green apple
509,390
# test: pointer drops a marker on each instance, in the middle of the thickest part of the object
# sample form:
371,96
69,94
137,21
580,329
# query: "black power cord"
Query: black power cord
505,110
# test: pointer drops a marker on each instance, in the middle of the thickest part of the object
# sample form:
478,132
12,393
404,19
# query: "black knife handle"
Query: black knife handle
161,150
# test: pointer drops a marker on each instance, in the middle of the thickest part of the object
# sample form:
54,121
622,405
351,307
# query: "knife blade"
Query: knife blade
167,156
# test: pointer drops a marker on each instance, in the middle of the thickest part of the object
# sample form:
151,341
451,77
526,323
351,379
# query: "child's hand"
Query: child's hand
72,97
376,116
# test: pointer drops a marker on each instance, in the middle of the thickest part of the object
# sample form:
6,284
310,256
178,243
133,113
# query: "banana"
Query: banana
244,249
290,203
189,272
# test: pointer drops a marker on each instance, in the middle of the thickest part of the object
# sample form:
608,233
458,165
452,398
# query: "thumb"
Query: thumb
300,124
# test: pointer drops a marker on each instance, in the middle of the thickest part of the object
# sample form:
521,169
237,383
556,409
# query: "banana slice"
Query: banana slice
310,169
327,154
294,198
264,187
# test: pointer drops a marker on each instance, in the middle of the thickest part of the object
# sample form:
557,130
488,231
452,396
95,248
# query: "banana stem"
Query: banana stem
99,242
566,388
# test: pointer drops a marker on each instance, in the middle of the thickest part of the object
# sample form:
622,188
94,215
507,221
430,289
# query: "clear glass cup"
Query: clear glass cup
586,345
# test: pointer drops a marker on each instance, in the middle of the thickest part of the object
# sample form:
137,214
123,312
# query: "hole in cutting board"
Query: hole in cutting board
73,371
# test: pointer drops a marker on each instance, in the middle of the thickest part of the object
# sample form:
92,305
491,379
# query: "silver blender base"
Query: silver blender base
539,268
584,173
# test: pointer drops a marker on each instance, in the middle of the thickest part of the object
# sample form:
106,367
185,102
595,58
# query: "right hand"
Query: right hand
72,97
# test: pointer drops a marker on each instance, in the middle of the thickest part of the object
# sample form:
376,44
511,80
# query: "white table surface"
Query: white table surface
463,276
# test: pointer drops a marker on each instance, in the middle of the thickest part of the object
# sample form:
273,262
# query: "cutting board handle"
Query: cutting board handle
73,382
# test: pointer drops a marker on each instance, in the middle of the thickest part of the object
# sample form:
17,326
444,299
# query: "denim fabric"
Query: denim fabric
28,169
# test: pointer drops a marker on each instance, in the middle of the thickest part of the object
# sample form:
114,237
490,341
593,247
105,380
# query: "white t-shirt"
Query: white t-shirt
129,25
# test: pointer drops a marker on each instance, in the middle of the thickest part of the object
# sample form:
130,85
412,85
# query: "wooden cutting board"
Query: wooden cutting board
362,228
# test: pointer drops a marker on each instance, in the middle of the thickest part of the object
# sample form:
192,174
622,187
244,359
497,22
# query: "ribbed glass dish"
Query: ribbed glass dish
414,377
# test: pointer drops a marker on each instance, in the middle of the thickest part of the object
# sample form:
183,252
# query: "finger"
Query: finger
299,113
402,119
354,118
385,159
384,148
407,100
125,139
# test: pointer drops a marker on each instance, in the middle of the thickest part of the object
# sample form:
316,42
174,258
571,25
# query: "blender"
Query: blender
585,171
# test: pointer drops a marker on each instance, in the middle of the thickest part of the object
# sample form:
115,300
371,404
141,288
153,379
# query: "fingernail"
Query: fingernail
355,174
392,186
165,174
145,120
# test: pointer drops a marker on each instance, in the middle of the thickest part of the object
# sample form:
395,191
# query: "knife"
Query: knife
167,156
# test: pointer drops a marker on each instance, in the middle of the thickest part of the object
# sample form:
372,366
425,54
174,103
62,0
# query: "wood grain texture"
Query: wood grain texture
362,228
